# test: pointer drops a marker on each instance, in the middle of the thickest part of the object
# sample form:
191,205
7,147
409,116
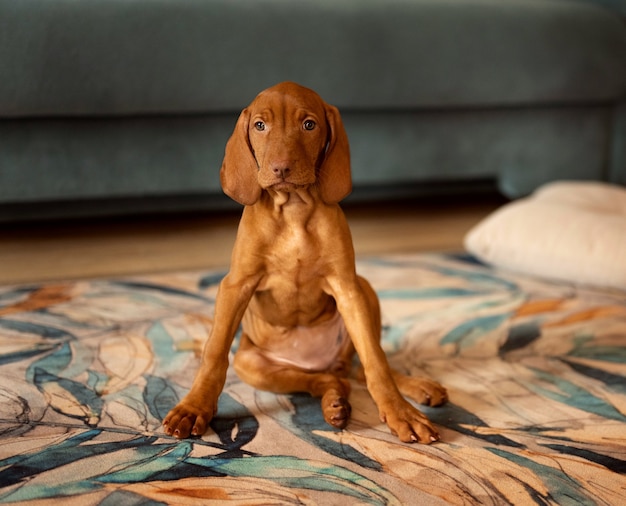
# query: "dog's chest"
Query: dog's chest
295,255
291,292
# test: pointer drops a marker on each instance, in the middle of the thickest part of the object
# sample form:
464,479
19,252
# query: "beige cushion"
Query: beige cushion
568,231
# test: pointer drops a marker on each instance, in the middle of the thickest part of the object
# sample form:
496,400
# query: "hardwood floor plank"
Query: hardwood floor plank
33,252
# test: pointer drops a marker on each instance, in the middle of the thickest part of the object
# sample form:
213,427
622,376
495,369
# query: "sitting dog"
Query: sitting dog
292,283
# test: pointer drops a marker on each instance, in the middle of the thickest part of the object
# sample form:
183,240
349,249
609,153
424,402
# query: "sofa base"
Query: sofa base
218,202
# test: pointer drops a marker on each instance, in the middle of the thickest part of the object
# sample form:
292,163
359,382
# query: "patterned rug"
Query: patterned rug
536,374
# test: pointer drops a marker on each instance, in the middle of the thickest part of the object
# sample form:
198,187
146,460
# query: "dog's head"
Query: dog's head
287,138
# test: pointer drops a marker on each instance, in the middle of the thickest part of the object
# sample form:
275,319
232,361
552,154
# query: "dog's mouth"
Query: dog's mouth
283,186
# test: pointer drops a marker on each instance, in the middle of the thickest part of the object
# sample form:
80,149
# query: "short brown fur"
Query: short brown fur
293,269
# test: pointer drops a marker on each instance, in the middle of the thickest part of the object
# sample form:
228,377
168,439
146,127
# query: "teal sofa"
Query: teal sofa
124,106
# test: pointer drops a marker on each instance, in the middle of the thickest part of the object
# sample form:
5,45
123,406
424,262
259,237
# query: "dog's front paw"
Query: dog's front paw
409,424
187,420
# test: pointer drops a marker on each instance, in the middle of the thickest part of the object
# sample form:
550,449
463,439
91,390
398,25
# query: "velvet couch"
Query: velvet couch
124,106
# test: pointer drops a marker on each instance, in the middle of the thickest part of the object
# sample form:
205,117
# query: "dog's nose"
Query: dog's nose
281,171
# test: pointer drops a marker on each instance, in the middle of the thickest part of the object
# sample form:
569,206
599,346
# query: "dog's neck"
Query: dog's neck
297,204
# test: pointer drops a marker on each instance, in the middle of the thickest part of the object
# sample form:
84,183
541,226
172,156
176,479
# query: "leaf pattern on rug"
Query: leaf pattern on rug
536,373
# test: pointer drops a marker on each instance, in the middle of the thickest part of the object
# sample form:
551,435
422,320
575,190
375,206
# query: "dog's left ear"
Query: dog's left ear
334,178
239,169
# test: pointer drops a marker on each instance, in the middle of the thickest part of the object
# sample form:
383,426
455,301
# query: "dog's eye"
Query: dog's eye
309,124
260,126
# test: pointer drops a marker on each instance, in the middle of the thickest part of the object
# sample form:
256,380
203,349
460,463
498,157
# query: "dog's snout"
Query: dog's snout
281,171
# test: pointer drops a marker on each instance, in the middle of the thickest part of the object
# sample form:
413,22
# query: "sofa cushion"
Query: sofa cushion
568,231
122,57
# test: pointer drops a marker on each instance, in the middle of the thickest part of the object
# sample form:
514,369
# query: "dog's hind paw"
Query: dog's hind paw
336,409
422,390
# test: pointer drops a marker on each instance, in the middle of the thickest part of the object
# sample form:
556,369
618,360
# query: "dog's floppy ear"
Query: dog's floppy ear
239,168
334,178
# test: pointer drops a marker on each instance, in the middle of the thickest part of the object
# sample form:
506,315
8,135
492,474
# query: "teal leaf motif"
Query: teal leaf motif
18,356
160,289
466,334
36,329
461,420
126,498
428,293
164,349
96,380
302,474
562,489
572,395
69,397
147,462
20,468
210,280
50,458
614,354
53,363
13,295
616,382
159,396
519,337
475,276
611,463
394,335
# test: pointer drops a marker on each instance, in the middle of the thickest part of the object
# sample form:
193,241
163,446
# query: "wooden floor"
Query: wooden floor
36,252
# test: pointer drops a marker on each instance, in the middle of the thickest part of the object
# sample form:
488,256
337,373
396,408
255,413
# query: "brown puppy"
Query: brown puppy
292,281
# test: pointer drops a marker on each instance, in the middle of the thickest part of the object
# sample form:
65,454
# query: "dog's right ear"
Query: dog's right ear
239,168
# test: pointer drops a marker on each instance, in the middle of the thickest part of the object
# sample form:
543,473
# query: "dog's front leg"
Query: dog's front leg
359,315
194,412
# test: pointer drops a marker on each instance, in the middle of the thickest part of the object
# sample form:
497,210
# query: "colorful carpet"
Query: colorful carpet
536,374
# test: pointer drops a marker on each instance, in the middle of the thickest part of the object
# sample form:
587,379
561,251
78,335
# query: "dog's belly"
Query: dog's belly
311,348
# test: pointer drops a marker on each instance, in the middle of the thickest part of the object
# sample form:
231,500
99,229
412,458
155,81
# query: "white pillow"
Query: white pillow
568,231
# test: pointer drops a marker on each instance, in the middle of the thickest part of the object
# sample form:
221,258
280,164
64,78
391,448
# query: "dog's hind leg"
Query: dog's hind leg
259,371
